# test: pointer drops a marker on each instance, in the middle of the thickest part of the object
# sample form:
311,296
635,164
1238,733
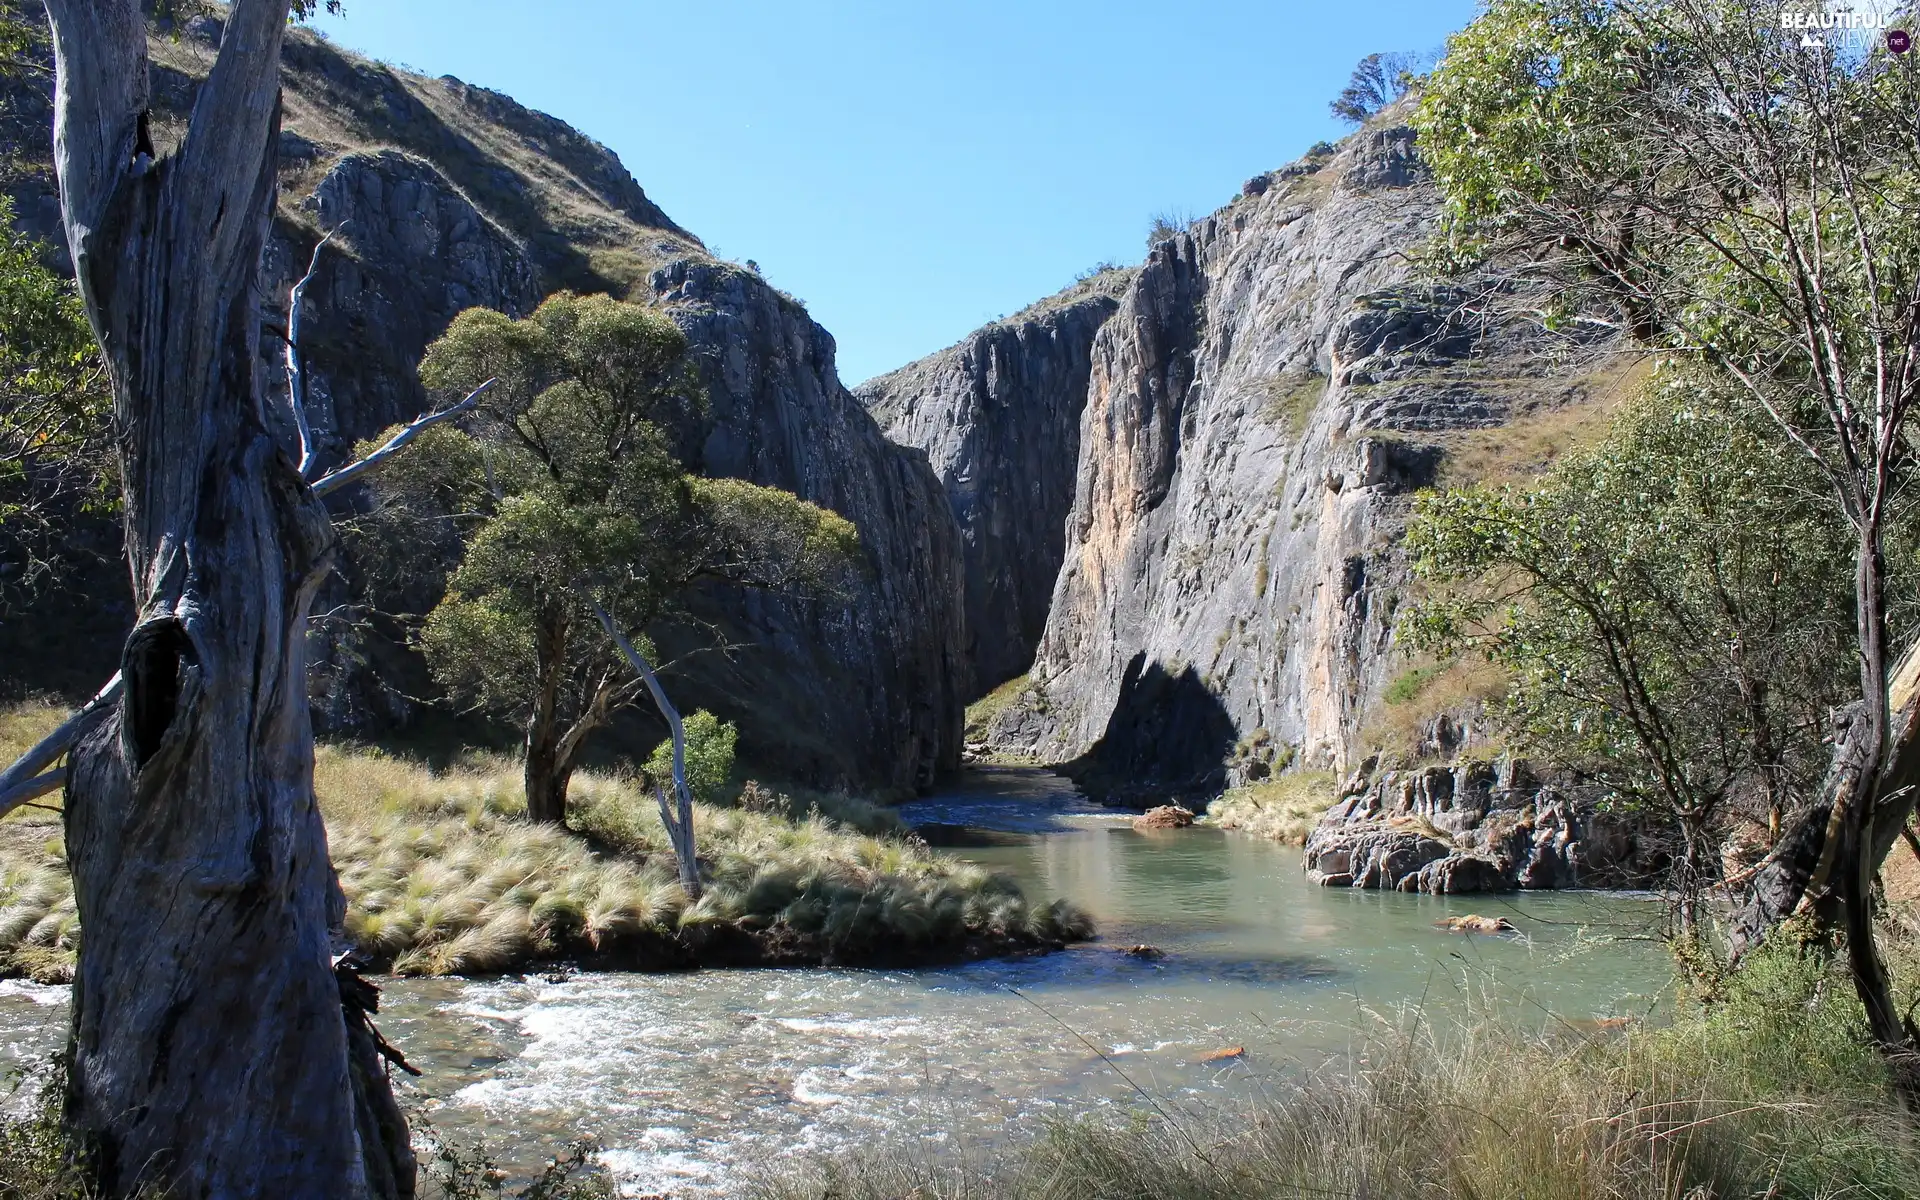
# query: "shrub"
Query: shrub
710,744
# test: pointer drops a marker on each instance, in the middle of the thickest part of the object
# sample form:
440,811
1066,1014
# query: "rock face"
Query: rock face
1473,827
1271,388
440,196
411,252
867,690
999,418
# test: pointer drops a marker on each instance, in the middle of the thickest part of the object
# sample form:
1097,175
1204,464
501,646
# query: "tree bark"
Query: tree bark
679,825
210,1044
545,783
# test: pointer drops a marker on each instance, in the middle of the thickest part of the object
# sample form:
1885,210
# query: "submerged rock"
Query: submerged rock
1475,923
1473,827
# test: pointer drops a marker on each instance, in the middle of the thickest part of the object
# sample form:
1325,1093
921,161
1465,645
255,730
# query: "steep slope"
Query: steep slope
999,417
437,196
1275,383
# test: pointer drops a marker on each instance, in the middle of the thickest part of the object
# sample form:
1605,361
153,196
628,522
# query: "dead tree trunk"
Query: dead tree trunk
1807,865
211,1049
677,819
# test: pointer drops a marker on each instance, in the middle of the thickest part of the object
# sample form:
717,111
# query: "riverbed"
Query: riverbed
693,1080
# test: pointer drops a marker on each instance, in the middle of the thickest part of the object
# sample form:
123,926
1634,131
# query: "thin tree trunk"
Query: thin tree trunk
1856,862
1692,875
546,783
679,826
210,1045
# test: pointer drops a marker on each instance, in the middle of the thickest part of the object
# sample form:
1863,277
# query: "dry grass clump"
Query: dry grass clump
23,724
1285,808
1402,726
1768,1091
444,875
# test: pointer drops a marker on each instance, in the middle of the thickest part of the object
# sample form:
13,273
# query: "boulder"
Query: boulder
1167,816
1475,923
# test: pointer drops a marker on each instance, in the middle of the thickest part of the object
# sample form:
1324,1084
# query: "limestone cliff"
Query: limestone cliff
999,418
1273,385
439,196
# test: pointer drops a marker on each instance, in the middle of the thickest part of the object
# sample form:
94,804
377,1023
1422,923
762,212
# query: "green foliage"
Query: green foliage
1409,684
33,1146
709,756
1377,82
55,413
1529,89
570,486
1673,606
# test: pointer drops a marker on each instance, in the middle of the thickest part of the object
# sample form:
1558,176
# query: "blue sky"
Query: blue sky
914,170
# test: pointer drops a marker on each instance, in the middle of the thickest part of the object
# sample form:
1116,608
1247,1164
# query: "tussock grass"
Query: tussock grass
1401,725
444,875
1285,808
1766,1091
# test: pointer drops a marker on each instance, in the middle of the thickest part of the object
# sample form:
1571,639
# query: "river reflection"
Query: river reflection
686,1078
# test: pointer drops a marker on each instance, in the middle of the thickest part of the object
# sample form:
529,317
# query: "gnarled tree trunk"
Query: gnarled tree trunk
212,1053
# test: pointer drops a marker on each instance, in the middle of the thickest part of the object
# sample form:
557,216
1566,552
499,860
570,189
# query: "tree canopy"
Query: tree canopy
578,504
54,414
1689,172
1672,607
1378,81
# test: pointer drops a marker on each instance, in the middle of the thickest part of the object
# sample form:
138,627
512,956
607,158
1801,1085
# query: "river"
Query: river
690,1080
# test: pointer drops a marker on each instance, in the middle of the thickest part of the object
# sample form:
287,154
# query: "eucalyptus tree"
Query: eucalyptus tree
1710,179
583,527
1669,606
55,442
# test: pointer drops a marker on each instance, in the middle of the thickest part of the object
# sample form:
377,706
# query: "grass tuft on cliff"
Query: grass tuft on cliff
1767,1089
1284,809
444,876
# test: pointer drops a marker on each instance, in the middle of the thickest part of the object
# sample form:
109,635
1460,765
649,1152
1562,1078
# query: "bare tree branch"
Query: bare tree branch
29,767
296,371
679,830
21,794
333,481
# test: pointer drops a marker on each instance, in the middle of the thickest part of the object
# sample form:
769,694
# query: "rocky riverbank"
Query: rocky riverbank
1474,827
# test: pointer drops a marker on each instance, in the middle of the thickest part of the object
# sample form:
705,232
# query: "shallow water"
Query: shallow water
691,1079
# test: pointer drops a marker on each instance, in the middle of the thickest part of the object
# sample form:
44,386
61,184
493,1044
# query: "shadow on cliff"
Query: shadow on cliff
1168,735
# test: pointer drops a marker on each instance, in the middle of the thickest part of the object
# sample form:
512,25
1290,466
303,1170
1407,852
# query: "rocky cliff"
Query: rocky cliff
869,690
437,196
999,418
1474,827
1274,383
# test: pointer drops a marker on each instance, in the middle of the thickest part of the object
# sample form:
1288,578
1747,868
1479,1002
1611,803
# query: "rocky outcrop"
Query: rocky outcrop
440,196
410,252
1166,816
1474,827
863,690
999,418
1274,385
